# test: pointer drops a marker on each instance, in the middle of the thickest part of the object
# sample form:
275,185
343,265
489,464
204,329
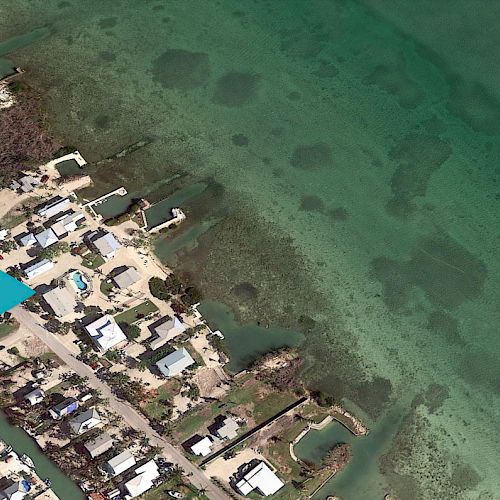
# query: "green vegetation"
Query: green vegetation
54,250
7,246
8,327
159,407
92,260
133,314
131,331
105,287
158,288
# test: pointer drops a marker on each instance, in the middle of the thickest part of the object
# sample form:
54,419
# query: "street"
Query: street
127,412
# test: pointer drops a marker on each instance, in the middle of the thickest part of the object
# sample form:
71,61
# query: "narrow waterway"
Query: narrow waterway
62,486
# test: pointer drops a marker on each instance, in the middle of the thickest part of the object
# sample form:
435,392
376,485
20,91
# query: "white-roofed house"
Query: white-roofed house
60,301
105,333
107,245
166,331
68,223
3,234
202,447
85,421
46,238
175,363
35,396
143,481
38,268
120,463
28,240
126,278
261,478
53,207
99,445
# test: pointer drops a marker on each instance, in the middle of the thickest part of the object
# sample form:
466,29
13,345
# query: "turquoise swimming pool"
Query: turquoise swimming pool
79,280
12,292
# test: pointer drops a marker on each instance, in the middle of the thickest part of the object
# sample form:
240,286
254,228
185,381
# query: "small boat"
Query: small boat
27,461
47,482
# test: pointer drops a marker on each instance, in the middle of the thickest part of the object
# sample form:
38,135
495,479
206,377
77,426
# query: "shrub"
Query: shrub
158,288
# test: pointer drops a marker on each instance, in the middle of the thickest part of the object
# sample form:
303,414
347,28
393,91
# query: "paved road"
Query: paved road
127,412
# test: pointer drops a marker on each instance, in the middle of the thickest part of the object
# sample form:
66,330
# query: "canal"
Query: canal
21,442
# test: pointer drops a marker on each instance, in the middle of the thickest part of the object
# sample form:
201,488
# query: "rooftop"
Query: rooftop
107,245
120,463
127,278
261,478
105,332
166,331
175,363
60,301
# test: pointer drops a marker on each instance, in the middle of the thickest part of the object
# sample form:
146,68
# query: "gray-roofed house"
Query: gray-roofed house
26,184
166,331
53,207
67,223
175,363
126,278
28,240
60,301
33,270
120,463
85,421
227,428
107,245
99,445
46,238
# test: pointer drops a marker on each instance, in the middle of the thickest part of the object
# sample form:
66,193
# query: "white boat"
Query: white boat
27,461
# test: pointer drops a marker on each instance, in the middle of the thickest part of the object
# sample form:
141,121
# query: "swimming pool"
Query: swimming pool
80,281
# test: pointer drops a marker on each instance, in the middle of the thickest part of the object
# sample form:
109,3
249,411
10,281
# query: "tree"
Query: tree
191,296
158,288
173,284
131,331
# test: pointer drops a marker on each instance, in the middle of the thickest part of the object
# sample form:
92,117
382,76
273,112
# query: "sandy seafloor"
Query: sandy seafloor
351,154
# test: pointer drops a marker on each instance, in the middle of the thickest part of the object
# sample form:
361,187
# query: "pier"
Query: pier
76,156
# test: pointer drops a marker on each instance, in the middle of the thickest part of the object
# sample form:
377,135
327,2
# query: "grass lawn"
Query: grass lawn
8,328
92,261
106,287
130,315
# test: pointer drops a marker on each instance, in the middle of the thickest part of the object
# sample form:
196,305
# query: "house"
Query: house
60,301
53,207
67,223
34,397
258,476
120,463
26,184
105,333
28,240
126,278
106,245
145,476
175,363
65,407
225,427
46,238
165,331
17,490
99,445
202,447
85,421
38,268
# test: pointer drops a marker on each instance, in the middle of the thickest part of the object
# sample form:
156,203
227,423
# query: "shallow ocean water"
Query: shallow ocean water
350,153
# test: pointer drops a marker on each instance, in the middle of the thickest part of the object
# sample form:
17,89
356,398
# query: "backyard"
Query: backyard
133,314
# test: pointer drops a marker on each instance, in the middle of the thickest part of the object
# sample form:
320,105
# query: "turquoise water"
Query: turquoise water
350,151
79,281
12,292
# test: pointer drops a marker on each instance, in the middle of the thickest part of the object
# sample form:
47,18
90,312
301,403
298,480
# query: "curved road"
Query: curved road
127,412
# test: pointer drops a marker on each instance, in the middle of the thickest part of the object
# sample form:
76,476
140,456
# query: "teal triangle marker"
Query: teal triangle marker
12,292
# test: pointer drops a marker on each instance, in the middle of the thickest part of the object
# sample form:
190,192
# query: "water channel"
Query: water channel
21,442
